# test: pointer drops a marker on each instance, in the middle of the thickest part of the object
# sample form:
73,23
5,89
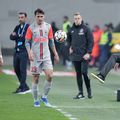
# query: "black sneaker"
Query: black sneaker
18,90
89,93
99,77
90,96
25,91
79,96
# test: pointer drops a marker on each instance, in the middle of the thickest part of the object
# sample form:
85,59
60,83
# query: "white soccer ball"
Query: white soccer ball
60,36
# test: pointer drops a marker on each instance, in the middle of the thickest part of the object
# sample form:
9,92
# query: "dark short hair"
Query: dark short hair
23,13
39,11
66,17
77,13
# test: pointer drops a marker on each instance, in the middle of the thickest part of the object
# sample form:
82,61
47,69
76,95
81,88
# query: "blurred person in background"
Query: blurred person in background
110,31
66,24
57,45
80,44
96,48
54,27
111,26
65,52
104,43
20,57
1,59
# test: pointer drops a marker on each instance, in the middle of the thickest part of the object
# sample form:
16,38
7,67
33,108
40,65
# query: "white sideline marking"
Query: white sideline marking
80,107
66,114
55,73
63,112
73,118
59,110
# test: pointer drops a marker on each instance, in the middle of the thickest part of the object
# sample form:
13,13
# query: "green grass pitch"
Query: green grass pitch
103,105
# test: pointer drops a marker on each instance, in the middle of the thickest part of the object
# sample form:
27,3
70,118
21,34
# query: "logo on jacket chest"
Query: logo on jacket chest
72,31
40,33
81,31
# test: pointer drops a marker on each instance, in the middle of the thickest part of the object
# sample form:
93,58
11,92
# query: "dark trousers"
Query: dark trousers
20,66
84,70
110,64
81,70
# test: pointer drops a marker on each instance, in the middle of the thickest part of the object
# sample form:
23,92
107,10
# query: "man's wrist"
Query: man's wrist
56,54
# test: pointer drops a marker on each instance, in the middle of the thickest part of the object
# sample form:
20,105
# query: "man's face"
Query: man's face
39,18
22,18
77,19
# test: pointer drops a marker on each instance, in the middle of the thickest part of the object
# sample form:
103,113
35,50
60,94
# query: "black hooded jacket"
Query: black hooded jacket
80,39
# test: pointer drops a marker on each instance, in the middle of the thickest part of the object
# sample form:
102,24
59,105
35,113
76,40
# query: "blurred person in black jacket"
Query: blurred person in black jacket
80,42
20,57
64,47
57,45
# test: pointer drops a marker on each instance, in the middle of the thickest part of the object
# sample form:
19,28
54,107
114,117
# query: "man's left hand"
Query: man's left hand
1,61
56,57
86,56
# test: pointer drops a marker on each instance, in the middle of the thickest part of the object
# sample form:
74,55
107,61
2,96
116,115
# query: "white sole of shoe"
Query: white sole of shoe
96,77
36,106
22,93
47,105
82,98
79,98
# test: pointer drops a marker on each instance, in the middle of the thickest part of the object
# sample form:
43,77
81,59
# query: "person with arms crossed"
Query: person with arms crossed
40,36
80,42
20,53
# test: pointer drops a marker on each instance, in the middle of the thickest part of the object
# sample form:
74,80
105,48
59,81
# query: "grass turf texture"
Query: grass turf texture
20,107
103,105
